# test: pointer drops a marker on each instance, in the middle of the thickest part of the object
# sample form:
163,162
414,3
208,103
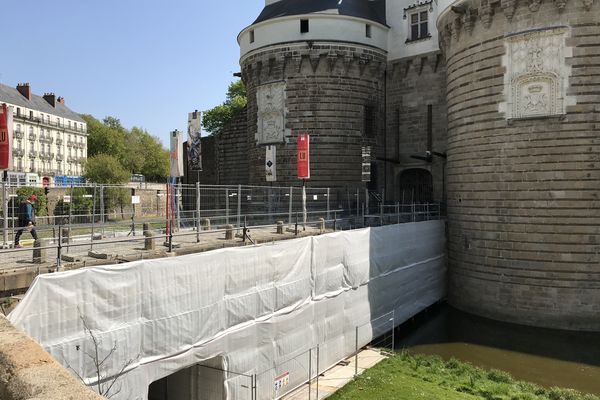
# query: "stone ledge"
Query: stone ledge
28,372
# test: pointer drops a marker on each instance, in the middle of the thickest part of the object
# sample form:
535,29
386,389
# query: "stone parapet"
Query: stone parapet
28,372
523,164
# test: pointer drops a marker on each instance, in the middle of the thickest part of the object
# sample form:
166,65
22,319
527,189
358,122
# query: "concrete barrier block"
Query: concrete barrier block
40,254
205,223
280,227
228,232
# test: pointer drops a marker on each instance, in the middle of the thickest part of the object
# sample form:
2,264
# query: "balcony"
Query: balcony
18,152
70,143
33,154
19,135
46,139
81,160
59,142
32,136
46,156
59,157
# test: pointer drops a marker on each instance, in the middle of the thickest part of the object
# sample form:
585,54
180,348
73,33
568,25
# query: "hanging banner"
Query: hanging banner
303,145
270,163
176,165
6,125
366,164
194,145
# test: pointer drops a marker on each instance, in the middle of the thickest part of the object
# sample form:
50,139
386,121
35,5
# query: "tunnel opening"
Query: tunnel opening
203,381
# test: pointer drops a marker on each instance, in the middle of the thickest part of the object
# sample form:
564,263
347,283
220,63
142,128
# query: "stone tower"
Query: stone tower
524,159
317,67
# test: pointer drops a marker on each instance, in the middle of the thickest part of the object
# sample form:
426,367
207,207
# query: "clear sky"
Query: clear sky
146,62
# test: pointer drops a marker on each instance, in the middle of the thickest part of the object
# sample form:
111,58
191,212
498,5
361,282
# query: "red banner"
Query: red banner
5,137
303,146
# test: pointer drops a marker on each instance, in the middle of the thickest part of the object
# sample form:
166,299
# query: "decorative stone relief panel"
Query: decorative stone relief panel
537,77
271,113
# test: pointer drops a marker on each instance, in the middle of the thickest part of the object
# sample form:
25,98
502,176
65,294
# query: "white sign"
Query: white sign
66,199
135,199
271,163
176,169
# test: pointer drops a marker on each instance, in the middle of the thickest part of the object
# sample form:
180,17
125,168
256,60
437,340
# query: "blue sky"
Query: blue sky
147,63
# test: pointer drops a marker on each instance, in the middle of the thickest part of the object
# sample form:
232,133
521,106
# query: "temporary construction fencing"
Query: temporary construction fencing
249,315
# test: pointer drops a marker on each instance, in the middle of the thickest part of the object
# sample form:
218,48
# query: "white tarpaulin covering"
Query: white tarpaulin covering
257,309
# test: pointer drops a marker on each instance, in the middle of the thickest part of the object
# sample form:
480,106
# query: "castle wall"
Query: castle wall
524,161
328,90
414,84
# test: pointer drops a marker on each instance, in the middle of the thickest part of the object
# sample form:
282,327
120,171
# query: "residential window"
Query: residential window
30,114
419,27
368,30
304,28
252,36
18,112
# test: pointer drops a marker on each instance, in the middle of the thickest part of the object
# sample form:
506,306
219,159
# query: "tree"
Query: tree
103,139
104,168
105,385
216,118
136,150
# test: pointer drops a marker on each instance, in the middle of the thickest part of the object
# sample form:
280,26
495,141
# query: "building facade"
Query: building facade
49,139
490,107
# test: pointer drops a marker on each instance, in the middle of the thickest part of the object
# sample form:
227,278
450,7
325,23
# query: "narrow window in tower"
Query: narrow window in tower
252,36
369,121
368,30
303,26
429,127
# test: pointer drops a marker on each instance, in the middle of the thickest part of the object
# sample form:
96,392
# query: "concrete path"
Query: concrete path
336,377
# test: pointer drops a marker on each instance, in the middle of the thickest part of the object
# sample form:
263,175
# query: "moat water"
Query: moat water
543,356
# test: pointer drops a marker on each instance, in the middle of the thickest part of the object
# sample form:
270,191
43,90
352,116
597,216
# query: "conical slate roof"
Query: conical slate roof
373,10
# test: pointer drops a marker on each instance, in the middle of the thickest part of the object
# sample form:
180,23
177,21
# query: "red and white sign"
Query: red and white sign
66,199
5,137
303,146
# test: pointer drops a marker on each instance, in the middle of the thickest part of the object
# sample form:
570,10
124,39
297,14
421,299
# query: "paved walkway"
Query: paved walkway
338,376
18,267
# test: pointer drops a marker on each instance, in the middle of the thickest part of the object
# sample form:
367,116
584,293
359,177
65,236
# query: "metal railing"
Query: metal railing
97,216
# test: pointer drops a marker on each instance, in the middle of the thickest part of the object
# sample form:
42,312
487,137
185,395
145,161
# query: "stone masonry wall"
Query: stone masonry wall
328,86
413,84
523,194
28,372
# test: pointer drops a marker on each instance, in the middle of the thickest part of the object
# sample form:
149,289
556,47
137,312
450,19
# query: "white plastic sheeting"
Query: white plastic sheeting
258,309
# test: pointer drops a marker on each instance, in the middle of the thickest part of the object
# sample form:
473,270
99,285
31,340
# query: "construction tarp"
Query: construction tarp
258,309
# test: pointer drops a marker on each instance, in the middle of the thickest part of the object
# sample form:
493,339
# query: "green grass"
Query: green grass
413,376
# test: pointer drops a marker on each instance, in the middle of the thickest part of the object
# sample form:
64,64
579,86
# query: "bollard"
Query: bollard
321,225
228,232
40,254
66,235
205,224
280,227
149,242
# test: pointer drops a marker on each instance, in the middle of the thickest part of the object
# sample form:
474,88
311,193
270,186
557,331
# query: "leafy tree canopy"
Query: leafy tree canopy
136,150
104,168
216,118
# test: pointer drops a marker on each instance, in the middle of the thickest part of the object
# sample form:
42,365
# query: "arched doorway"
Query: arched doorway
415,186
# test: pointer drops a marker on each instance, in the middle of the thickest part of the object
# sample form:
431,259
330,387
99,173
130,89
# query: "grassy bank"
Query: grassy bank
406,376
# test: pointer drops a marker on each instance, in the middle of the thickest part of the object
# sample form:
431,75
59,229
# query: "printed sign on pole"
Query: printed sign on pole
135,199
176,169
270,164
194,145
66,199
303,145
5,137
